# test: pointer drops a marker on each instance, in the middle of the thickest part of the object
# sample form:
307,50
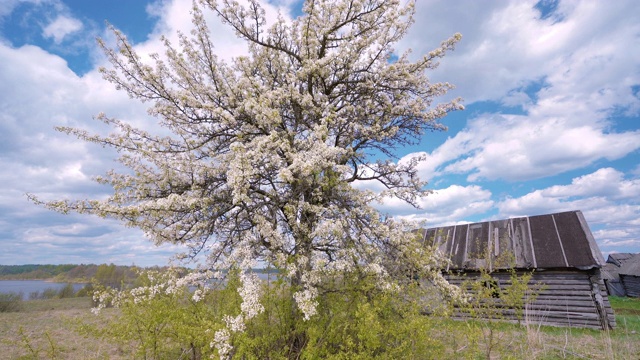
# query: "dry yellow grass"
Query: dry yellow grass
47,329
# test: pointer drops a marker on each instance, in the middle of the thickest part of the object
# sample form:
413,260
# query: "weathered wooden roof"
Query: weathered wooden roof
609,271
631,266
561,240
619,258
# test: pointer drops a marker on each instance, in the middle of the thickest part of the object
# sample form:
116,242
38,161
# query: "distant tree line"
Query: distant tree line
109,275
31,271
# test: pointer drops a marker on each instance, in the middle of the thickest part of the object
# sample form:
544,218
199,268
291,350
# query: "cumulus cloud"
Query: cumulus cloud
507,45
40,92
61,27
49,94
607,182
569,73
596,193
82,239
516,148
444,206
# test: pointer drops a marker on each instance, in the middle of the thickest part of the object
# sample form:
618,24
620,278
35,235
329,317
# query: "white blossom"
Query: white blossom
306,301
221,343
250,294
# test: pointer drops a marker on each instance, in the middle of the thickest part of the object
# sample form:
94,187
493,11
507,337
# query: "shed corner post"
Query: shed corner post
595,279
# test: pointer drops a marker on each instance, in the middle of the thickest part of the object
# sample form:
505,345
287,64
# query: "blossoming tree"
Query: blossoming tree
265,151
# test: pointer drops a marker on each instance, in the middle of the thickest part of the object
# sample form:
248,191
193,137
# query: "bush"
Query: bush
160,324
66,292
49,293
355,320
87,290
10,302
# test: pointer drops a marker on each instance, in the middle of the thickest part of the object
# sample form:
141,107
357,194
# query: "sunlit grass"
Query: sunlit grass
625,305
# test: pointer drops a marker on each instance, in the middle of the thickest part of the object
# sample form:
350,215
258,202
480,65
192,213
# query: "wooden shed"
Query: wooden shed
630,276
558,249
618,259
611,273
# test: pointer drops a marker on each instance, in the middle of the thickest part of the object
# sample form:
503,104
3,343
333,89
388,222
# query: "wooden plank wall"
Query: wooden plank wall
631,284
615,288
561,298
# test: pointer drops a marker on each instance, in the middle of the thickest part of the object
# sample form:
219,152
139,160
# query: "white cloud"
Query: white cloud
604,182
518,148
443,206
570,73
614,234
604,196
7,6
83,239
61,27
39,92
517,98
506,45
622,243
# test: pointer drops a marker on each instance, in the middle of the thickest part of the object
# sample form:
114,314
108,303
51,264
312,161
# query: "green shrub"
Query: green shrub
10,302
87,290
488,302
355,320
66,292
165,324
49,293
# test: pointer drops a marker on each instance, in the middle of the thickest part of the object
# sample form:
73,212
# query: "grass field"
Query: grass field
51,329
48,329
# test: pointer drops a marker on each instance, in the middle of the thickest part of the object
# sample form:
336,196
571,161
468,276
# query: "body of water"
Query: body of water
27,287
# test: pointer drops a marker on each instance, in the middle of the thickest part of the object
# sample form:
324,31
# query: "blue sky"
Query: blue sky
552,119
